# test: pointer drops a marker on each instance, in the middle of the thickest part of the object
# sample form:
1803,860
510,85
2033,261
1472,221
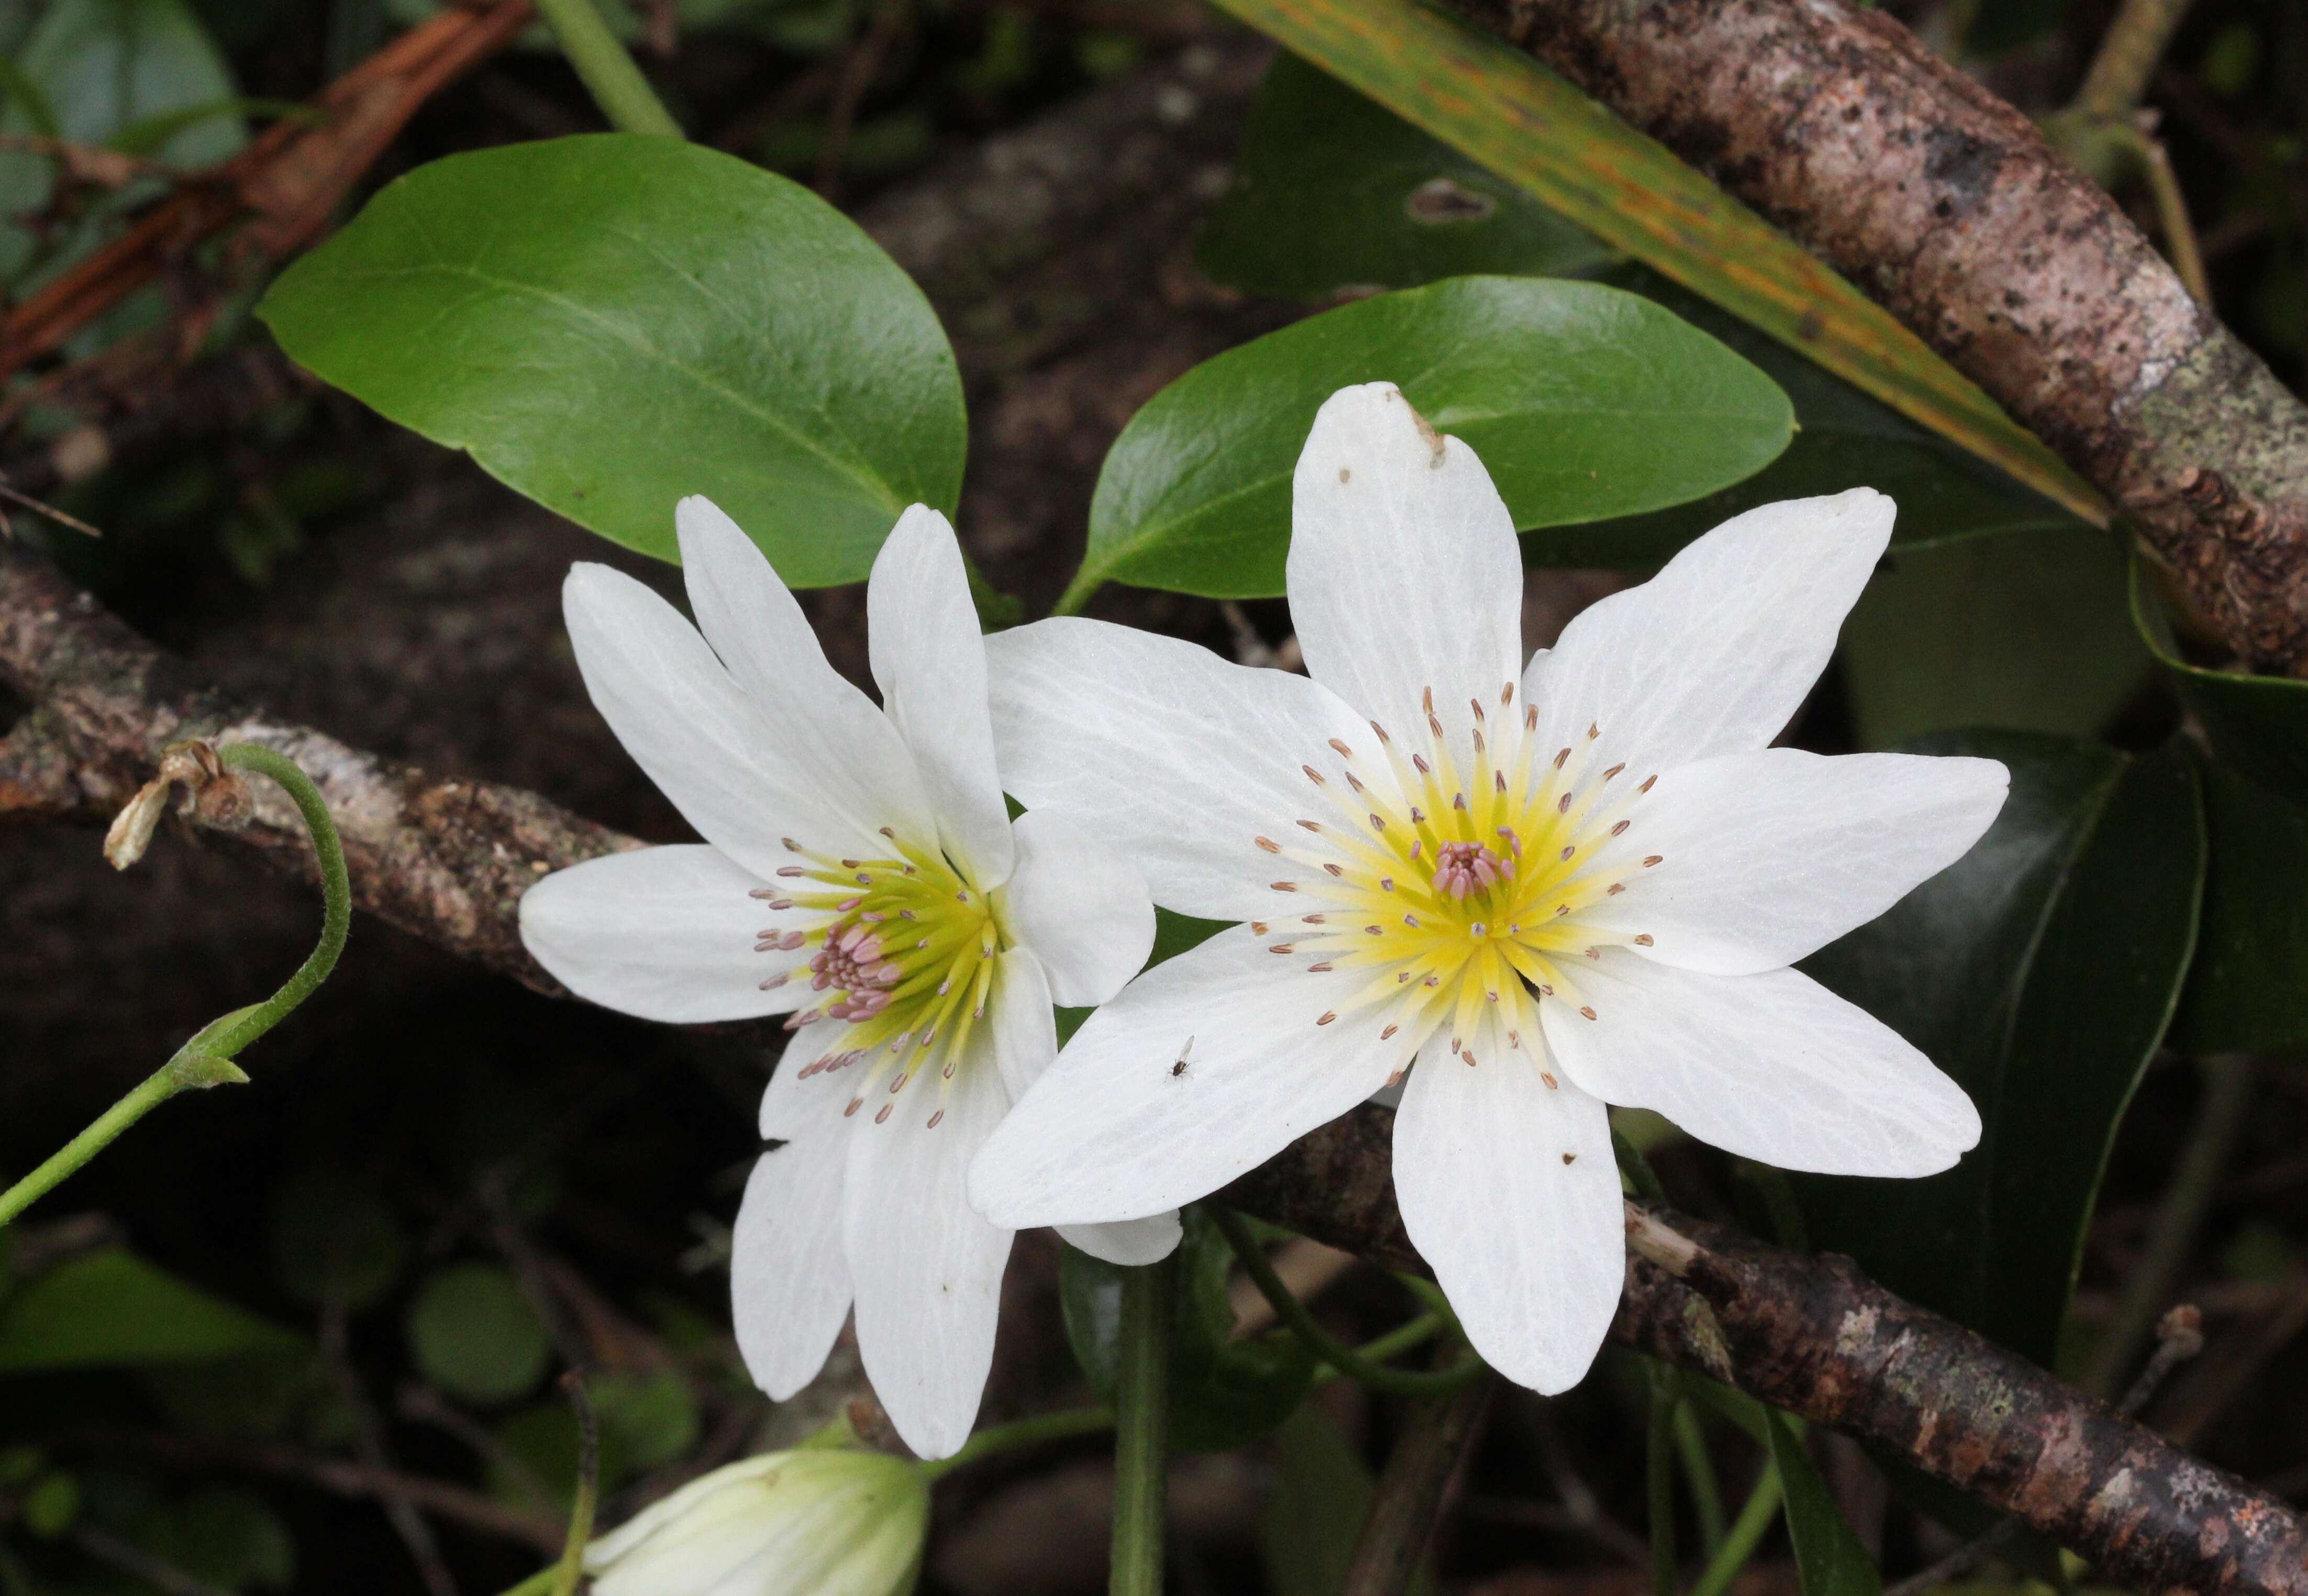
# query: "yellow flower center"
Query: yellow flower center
905,953
1460,889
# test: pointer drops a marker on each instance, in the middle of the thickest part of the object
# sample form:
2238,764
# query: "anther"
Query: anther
791,846
1328,1016
1653,859
1530,717
1283,947
1549,1080
1382,738
1375,930
1499,781
1377,824
1561,909
1593,731
790,870
886,831
856,1103
1594,952
1458,800
1568,851
1644,939
1344,752
1268,844
1563,804
1388,1032
1335,869
1314,775
1476,704
933,1124
883,1117
1258,927
1417,816
1646,787
1311,825
851,864
1284,886
1322,968
1585,1010
1506,694
774,982
1570,1158
1419,760
1615,770
1411,921
1620,827
1614,889
1312,920
1562,758
898,1082
1434,980
1355,781
1386,883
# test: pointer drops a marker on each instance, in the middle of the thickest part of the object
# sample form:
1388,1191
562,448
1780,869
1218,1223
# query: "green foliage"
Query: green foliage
2257,725
653,1416
2040,971
2021,631
610,322
476,1336
1829,1558
1223,1392
334,1236
90,71
2248,989
110,1309
1583,402
1322,1492
1334,190
226,1538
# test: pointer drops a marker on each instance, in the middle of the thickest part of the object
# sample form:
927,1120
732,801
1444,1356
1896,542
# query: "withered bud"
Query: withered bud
217,796
132,829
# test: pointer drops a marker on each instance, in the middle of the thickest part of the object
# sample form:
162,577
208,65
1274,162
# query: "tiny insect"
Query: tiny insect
1184,1053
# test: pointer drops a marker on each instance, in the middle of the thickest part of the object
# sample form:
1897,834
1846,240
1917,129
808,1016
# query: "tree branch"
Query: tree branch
448,860
1947,205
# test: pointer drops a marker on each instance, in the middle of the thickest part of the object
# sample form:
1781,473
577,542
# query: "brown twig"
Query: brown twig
285,185
1948,206
368,1441
1408,1503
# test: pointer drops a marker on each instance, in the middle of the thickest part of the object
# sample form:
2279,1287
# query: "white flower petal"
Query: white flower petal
1185,758
799,1101
1080,905
1404,574
1715,653
1026,1043
1765,857
823,732
1130,1241
1773,1067
1115,1131
927,1268
929,660
1510,1191
693,731
788,1285
664,933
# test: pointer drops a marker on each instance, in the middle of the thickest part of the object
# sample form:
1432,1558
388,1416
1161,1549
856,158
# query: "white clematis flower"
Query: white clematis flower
820,1522
1551,888
859,873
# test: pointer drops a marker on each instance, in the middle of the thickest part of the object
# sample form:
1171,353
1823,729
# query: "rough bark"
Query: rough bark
1948,206
1816,1337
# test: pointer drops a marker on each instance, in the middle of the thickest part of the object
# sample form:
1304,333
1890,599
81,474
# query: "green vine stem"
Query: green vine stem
1042,1427
207,1060
608,73
1748,1531
1141,1439
570,1570
1320,1343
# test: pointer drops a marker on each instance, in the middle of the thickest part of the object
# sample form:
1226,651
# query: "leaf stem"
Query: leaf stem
608,73
1320,1343
571,1569
1141,1403
207,1060
1746,1532
1078,593
1658,1478
1638,1170
1024,1432
1699,1476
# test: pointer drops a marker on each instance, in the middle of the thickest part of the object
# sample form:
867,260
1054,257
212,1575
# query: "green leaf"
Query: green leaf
1583,401
112,1309
2248,989
1313,1515
1503,109
226,1538
2025,631
613,321
653,1416
2258,725
1333,191
1829,1561
1224,1394
2040,971
475,1335
1844,438
334,1234
94,68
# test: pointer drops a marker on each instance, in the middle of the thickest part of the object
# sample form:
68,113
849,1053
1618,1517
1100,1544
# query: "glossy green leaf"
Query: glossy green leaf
610,322
2257,725
2024,631
1224,1393
1844,438
2040,971
1502,108
1332,191
1583,401
475,1335
112,1309
2248,989
1829,1561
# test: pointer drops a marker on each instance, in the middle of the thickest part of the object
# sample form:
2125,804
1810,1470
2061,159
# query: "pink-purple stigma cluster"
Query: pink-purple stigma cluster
1464,867
851,962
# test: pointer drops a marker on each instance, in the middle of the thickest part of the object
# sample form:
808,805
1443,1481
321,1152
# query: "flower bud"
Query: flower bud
829,1521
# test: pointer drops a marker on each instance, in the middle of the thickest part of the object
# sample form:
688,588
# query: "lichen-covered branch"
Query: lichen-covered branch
1947,205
